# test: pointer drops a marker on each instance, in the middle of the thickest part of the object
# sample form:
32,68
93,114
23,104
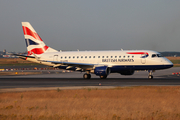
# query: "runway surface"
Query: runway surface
55,79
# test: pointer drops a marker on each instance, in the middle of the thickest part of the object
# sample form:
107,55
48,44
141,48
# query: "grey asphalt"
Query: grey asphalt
56,79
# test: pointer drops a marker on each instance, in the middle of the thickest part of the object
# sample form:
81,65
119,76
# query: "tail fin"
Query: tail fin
33,41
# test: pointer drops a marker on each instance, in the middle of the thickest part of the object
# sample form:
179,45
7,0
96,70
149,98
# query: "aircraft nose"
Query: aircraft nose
168,63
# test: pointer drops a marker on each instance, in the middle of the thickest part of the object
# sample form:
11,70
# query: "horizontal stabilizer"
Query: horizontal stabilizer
23,56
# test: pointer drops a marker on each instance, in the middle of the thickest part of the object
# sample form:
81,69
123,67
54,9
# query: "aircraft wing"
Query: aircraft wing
87,66
71,63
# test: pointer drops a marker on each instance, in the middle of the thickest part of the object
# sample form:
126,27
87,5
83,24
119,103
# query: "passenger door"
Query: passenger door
55,58
143,60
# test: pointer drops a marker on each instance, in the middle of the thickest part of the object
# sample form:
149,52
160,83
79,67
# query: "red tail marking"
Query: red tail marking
27,31
137,53
38,50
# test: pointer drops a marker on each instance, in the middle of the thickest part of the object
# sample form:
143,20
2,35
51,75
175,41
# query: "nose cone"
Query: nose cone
167,63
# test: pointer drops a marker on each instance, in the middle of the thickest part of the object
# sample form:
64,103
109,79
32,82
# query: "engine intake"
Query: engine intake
102,71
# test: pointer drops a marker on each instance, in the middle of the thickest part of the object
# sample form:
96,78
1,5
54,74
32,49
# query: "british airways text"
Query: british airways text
117,60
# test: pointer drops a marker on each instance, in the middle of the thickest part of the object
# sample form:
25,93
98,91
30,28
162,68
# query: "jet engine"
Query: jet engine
102,71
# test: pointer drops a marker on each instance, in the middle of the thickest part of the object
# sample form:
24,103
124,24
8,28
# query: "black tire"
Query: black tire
150,77
87,76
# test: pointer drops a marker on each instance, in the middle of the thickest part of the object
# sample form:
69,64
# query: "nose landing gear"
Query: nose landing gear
150,76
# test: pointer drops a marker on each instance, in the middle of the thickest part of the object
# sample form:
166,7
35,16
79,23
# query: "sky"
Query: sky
93,24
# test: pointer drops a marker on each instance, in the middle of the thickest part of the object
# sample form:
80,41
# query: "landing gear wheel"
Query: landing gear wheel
150,77
87,76
103,77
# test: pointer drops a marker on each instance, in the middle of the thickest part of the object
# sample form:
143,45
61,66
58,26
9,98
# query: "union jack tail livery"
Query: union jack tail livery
34,42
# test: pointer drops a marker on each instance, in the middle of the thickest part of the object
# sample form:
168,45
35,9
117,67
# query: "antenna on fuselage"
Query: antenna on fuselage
121,49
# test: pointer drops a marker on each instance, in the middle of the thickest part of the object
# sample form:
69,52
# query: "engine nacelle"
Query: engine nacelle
102,71
127,72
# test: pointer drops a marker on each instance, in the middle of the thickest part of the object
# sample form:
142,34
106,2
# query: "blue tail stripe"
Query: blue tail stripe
26,42
30,42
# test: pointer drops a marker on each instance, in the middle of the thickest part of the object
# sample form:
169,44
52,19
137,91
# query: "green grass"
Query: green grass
175,61
176,65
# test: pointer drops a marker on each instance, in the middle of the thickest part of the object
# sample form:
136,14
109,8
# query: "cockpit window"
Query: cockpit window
159,55
153,55
156,55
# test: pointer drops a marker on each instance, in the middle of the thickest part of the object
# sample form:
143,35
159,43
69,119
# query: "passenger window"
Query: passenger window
89,56
124,56
115,56
111,56
128,56
69,57
106,56
132,56
73,56
65,57
77,56
102,56
93,56
81,56
61,57
85,56
98,56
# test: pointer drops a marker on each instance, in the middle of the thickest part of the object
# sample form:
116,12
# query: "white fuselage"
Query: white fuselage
110,58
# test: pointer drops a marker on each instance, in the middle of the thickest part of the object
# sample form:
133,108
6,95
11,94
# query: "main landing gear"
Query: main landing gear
150,76
87,76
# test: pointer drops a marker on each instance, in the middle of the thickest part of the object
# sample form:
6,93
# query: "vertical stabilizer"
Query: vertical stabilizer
34,42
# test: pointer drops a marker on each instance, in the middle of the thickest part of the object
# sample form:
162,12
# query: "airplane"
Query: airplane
100,63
